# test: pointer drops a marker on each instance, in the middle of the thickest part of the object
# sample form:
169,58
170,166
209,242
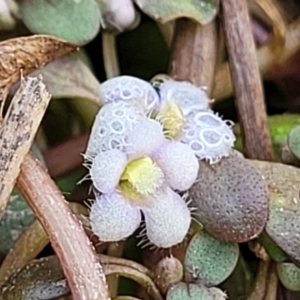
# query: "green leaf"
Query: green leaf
294,141
274,251
289,275
231,199
17,217
202,11
183,291
210,259
70,77
279,126
40,279
76,21
283,225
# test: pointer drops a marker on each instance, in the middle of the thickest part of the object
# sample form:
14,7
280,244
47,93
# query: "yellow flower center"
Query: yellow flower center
140,178
172,119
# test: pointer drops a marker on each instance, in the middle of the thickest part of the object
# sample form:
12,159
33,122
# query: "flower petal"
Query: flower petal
112,218
113,123
107,168
167,218
128,88
146,137
208,136
178,163
187,95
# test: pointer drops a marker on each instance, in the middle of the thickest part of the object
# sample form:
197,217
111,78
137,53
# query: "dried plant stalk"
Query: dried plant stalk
194,53
272,284
260,286
18,130
266,61
27,53
115,250
77,257
246,79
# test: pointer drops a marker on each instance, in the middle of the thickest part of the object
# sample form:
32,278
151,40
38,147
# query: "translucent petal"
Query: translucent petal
112,218
107,168
112,125
208,136
179,164
167,218
187,95
146,137
134,90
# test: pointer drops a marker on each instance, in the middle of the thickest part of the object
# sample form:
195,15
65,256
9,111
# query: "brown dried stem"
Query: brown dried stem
260,285
78,260
246,79
17,132
115,250
27,54
135,275
272,284
266,61
194,53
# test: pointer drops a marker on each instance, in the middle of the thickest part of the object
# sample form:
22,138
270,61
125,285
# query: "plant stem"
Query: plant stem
249,98
78,260
116,250
266,60
17,132
194,53
260,286
272,283
110,56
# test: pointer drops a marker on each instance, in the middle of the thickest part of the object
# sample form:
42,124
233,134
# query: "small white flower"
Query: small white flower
140,177
137,163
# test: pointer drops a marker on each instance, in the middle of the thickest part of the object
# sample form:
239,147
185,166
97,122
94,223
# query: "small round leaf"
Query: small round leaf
202,11
209,259
231,199
294,141
183,291
75,21
289,275
283,225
